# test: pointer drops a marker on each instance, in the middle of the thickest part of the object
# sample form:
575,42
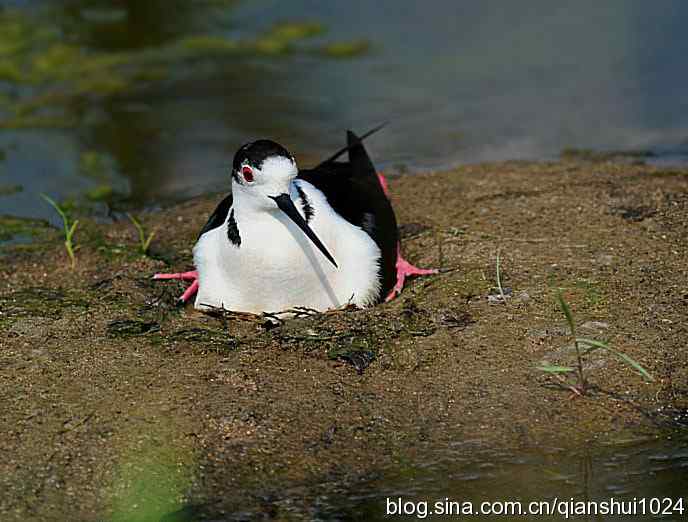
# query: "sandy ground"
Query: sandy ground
111,394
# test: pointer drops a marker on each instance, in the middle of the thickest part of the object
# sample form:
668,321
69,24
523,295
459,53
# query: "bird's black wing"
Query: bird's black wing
218,217
353,190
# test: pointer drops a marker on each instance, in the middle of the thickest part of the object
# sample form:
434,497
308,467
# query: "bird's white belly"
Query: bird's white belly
276,267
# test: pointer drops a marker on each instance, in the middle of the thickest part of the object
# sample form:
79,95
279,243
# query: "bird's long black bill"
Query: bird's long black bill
286,205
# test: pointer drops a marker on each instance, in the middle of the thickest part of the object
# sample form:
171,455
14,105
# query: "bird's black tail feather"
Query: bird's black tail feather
360,164
351,144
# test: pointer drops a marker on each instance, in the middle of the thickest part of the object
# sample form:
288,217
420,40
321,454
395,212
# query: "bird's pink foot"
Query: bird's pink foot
183,276
404,270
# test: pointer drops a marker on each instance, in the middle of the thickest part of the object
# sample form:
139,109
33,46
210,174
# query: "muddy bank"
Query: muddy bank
111,394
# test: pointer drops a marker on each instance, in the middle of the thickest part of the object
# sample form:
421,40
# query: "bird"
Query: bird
320,238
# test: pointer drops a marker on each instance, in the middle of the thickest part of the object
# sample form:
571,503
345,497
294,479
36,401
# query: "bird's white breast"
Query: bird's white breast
276,267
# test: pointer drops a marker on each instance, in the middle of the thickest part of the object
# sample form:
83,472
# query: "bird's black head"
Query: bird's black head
263,172
254,154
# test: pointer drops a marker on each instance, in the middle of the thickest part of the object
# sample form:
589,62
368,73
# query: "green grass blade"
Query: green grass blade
146,244
52,203
135,221
589,350
71,231
593,342
567,312
592,345
58,209
633,363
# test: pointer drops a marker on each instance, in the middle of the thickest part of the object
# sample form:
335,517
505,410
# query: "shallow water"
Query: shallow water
632,472
459,82
625,471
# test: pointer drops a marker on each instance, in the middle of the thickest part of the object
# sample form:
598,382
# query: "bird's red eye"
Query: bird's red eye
247,172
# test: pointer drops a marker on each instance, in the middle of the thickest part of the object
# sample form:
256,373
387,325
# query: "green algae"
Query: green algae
8,190
95,165
63,75
280,39
345,49
42,302
206,337
103,169
10,72
100,193
208,44
291,31
11,226
39,122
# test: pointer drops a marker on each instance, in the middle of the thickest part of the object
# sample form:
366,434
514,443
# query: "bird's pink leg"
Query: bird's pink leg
404,268
183,276
189,292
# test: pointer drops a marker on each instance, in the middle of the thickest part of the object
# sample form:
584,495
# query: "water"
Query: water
632,472
459,82
468,473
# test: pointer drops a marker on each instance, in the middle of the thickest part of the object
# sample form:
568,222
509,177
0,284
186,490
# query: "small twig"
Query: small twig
278,317
344,308
567,384
224,312
316,337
